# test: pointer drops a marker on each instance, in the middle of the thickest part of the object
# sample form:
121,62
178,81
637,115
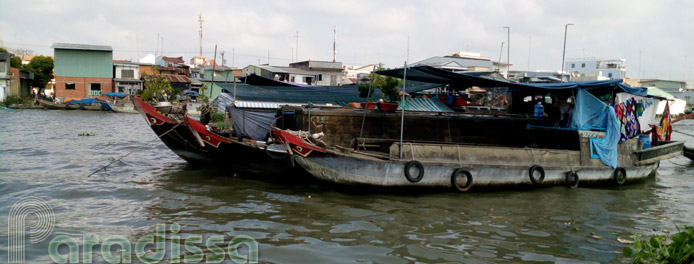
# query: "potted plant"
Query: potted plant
389,91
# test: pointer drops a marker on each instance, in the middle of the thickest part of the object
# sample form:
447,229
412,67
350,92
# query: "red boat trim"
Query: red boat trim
206,136
295,143
150,113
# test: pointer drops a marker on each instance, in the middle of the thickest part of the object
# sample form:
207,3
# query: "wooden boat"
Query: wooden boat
195,143
84,104
466,150
61,106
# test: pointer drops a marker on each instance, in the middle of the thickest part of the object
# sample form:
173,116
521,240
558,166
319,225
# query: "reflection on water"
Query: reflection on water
311,222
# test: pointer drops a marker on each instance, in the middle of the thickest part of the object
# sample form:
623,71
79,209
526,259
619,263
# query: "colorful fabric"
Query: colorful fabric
665,129
627,113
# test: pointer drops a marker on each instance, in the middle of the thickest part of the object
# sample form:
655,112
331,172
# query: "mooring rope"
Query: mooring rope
147,143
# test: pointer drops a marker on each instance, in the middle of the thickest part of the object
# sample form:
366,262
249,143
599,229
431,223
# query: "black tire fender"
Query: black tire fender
419,176
531,173
619,176
454,180
571,180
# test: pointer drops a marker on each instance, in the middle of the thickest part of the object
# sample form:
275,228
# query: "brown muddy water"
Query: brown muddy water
42,156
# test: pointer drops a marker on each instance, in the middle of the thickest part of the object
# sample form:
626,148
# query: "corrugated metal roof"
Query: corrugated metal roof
463,62
81,47
271,69
424,105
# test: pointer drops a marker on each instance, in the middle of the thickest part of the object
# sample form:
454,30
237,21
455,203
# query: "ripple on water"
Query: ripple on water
152,186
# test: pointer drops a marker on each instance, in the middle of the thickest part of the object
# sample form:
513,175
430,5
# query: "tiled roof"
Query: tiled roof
81,47
175,78
173,59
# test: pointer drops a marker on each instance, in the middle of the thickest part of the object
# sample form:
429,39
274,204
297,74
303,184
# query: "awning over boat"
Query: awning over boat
468,79
119,95
105,105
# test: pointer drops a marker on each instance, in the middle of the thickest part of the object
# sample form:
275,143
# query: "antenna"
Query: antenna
334,42
201,19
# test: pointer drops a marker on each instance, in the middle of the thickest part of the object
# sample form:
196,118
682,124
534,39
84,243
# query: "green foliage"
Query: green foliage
10,100
42,67
16,62
156,86
658,250
388,85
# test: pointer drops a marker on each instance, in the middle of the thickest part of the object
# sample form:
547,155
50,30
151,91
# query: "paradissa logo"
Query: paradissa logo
118,249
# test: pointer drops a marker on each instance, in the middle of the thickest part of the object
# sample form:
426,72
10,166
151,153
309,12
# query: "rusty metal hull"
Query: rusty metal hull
346,169
488,166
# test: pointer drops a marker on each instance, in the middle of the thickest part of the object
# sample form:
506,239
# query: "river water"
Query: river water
43,156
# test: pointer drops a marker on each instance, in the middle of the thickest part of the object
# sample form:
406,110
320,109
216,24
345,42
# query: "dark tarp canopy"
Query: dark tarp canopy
468,79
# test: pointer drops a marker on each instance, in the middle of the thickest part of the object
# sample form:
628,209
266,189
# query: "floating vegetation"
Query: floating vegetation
85,134
679,248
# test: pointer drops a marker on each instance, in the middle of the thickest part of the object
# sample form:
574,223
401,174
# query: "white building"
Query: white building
597,68
4,75
126,77
352,74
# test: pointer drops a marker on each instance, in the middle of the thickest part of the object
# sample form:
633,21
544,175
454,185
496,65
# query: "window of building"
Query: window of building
127,74
319,77
573,65
94,89
583,65
69,86
291,79
3,66
609,75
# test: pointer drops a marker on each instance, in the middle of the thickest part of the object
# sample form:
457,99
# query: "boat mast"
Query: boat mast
402,117
368,100
214,63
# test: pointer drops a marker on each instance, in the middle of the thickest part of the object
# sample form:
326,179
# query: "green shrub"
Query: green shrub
10,100
658,250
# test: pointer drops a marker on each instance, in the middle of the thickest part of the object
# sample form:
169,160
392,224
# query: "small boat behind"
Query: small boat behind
689,153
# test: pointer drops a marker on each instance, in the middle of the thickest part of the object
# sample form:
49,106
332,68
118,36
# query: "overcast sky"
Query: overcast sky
656,37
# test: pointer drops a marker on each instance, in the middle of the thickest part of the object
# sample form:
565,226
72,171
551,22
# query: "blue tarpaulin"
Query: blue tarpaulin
591,113
191,92
105,105
119,95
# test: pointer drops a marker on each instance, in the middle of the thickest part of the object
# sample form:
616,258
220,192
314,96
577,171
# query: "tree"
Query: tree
16,62
156,86
388,86
42,67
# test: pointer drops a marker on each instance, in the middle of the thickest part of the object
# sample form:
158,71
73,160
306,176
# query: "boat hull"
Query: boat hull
194,146
343,169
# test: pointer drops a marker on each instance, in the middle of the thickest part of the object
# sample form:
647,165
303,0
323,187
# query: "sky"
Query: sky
655,37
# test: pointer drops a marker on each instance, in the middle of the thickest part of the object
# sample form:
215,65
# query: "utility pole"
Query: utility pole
201,19
297,45
508,50
563,53
222,57
501,51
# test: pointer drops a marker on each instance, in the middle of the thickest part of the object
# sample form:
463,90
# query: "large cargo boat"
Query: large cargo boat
597,143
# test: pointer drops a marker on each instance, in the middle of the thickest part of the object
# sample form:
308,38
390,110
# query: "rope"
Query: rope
119,159
683,133
683,165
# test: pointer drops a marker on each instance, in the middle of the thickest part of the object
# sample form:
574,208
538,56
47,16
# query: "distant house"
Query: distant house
4,76
126,77
21,82
665,85
148,59
164,61
352,74
267,71
221,73
597,68
82,70
325,72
